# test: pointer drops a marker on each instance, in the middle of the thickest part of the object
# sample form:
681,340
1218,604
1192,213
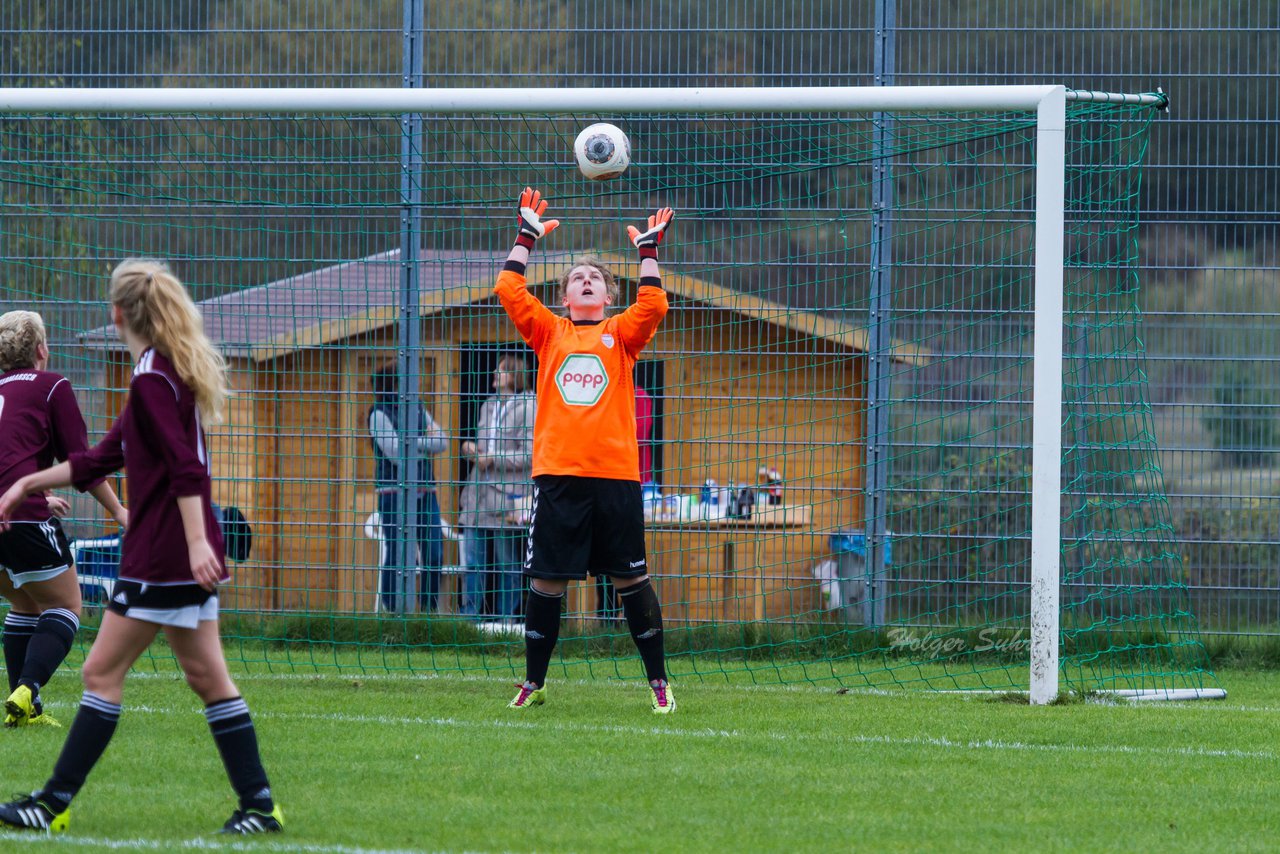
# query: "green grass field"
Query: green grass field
368,762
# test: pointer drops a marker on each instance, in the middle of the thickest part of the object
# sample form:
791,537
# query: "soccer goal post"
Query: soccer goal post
865,467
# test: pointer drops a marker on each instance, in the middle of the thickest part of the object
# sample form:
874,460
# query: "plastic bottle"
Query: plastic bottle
768,485
651,499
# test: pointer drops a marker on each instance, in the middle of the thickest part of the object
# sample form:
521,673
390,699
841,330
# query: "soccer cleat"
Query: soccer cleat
255,821
39,717
664,702
31,813
42,718
20,708
528,697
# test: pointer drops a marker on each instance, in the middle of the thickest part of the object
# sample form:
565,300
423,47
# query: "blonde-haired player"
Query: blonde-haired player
40,422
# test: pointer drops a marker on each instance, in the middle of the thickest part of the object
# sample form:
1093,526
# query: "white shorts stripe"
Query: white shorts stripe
186,617
21,578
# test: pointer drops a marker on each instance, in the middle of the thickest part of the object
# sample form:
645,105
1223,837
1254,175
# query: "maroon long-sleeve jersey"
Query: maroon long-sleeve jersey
40,423
158,441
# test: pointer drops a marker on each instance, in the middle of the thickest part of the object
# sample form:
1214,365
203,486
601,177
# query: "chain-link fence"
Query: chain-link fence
1210,197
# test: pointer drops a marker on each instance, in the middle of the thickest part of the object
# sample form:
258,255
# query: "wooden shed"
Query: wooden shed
740,383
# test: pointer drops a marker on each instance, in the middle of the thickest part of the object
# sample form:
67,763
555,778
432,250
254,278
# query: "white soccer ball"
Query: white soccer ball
603,151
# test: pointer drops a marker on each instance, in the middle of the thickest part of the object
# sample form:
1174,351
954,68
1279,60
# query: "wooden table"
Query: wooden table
702,562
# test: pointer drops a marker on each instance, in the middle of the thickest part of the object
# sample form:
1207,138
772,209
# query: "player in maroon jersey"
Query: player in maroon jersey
40,423
172,559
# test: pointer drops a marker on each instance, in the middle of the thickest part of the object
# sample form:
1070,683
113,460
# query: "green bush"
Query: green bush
1243,422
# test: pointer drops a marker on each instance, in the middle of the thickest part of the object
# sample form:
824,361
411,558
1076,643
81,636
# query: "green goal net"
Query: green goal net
837,409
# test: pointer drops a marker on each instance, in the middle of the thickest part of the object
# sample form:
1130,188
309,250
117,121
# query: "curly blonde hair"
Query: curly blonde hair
21,334
158,308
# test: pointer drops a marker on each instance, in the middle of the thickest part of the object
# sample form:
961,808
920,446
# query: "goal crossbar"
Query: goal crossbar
613,100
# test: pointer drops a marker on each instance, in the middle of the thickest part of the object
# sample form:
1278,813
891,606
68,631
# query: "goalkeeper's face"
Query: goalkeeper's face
586,293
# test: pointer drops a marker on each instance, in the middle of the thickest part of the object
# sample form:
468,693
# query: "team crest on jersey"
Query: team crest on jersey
607,340
581,379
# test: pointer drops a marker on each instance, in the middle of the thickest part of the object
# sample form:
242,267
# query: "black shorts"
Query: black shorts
34,551
181,605
585,525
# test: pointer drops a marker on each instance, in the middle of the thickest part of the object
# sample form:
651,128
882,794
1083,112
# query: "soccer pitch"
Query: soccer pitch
397,763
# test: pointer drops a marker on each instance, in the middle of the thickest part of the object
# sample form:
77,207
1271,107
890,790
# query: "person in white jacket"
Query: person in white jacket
425,532
497,490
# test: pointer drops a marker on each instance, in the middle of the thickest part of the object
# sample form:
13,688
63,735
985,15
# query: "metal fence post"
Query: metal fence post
880,326
410,333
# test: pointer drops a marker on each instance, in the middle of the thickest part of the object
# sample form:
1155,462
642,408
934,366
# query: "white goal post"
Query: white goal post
1049,103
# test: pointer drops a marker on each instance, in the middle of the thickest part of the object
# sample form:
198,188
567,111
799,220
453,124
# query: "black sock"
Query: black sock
237,742
54,634
644,619
541,631
18,629
90,734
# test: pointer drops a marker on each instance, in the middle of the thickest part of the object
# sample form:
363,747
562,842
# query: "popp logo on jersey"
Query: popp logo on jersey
581,379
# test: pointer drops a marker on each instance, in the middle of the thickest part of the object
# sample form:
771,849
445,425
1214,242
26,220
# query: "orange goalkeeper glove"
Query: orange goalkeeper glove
647,241
532,225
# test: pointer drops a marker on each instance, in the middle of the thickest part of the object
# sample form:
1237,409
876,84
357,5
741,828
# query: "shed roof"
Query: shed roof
343,300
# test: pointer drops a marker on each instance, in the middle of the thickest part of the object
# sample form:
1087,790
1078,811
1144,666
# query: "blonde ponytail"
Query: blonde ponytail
158,308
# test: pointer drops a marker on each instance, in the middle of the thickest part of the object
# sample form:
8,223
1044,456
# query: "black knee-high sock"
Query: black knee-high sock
541,631
54,634
90,734
237,742
18,629
644,619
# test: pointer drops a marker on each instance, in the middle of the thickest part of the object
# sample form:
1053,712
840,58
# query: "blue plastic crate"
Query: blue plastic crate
855,542
98,559
97,565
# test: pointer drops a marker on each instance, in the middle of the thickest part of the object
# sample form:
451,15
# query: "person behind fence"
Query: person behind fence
172,557
497,490
40,422
587,513
424,535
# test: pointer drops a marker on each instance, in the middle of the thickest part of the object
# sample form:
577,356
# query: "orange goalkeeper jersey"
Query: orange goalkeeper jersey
586,419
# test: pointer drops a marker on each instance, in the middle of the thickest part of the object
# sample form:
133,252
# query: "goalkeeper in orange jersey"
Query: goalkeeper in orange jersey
587,514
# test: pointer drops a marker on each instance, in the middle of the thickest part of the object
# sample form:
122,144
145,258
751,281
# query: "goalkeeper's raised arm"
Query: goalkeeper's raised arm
647,241
533,320
532,227
640,321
